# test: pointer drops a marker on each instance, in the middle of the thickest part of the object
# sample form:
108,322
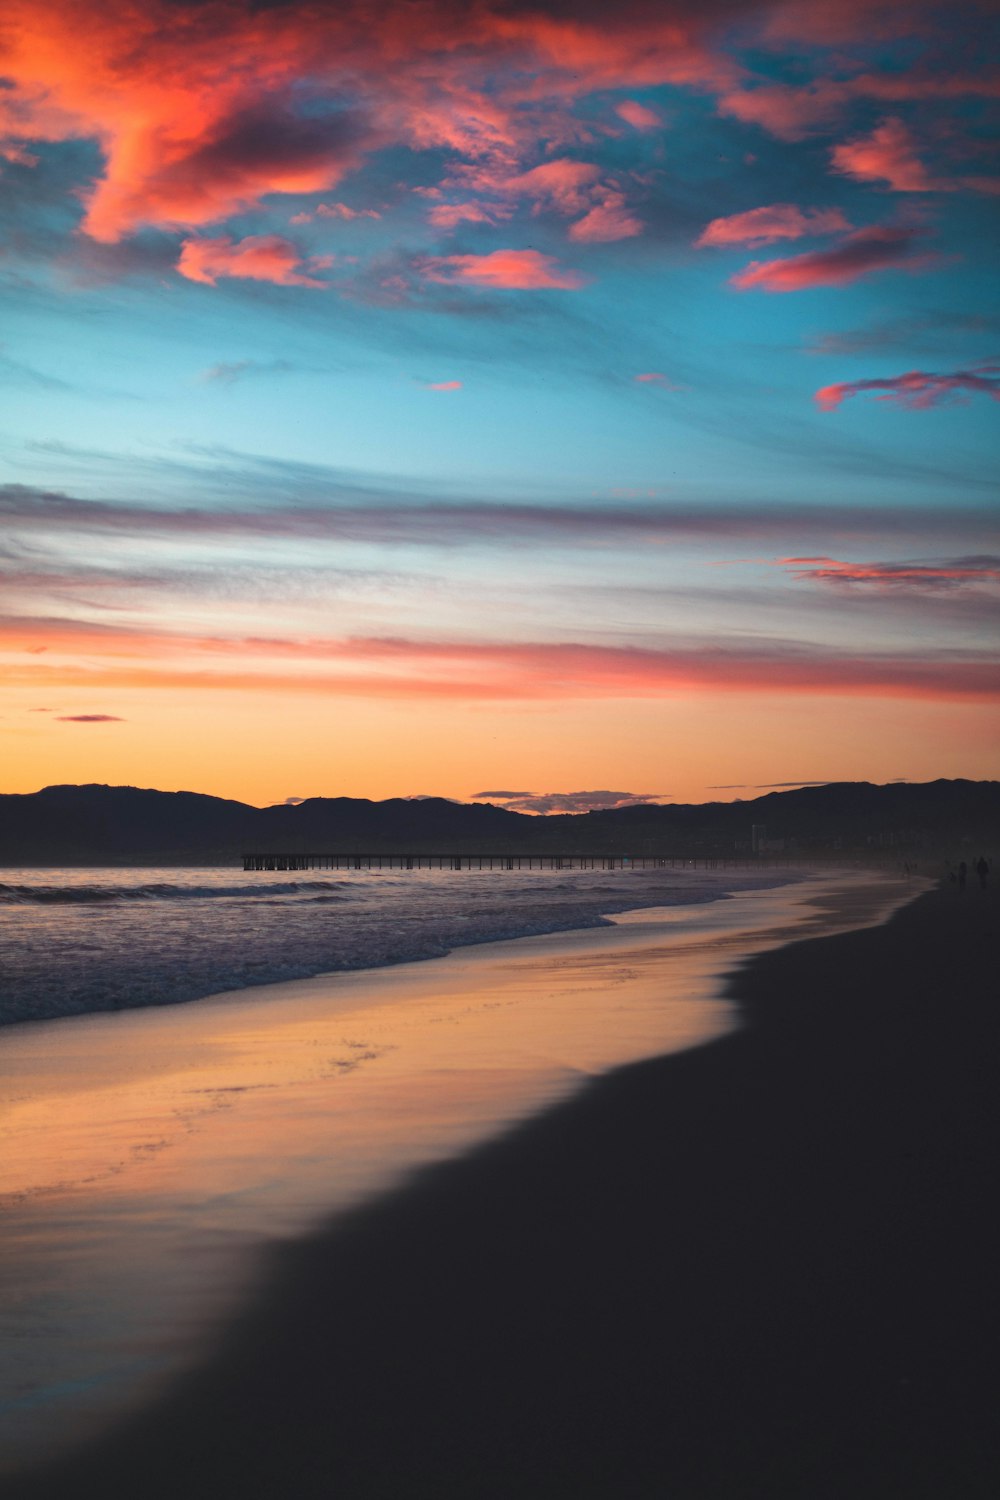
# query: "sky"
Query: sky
550,401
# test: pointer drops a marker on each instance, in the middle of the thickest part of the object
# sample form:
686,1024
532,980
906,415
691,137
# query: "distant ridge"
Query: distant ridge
121,825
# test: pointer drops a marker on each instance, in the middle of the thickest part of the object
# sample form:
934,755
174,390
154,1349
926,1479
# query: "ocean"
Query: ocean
156,1155
77,941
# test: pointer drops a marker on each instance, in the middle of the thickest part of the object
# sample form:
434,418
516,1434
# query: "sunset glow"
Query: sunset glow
406,400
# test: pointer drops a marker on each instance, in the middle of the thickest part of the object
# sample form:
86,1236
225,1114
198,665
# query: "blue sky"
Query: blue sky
406,365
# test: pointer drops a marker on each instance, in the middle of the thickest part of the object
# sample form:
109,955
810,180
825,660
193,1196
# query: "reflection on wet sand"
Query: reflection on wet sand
148,1155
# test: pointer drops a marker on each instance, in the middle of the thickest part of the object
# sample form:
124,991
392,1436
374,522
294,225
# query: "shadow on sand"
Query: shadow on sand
764,1268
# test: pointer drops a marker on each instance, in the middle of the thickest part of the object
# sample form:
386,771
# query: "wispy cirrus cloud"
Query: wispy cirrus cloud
771,223
228,372
916,389
399,667
933,329
952,573
867,251
379,518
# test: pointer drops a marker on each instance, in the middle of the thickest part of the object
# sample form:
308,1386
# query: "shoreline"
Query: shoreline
184,978
761,1268
632,935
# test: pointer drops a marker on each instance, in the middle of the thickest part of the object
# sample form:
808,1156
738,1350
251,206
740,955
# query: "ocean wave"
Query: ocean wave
90,895
116,940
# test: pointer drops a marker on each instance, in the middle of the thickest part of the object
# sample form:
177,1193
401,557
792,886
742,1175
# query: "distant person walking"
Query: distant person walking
982,869
963,871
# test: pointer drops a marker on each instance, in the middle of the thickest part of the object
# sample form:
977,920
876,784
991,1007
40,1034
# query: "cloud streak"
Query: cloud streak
863,253
917,390
767,225
950,574
398,667
416,523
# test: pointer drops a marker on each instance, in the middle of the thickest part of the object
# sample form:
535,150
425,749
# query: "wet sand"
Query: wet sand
754,1268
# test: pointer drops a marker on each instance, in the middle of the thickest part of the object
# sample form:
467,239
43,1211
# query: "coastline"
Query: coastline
104,940
634,942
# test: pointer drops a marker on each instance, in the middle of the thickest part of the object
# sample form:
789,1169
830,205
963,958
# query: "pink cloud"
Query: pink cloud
878,248
519,270
197,116
335,211
888,155
563,186
656,377
259,257
448,215
445,385
342,211
784,110
956,572
917,389
397,668
609,219
794,111
17,155
775,221
639,116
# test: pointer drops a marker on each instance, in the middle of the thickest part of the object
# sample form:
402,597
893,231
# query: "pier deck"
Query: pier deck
536,861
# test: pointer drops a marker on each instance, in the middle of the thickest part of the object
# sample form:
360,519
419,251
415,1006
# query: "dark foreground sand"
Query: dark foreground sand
765,1268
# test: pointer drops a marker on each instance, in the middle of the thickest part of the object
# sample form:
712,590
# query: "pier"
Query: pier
476,862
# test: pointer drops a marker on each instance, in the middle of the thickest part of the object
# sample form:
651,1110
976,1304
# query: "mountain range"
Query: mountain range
120,825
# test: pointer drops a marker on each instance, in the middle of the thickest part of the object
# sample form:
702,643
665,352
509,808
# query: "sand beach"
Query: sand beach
762,1265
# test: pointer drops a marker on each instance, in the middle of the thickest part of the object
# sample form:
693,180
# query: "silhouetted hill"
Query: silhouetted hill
130,825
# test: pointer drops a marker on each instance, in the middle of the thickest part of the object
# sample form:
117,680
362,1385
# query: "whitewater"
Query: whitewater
76,941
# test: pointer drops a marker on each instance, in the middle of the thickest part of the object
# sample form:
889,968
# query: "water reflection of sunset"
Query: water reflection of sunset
148,1154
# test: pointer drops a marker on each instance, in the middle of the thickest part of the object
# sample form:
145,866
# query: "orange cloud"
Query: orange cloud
519,270
401,668
879,248
775,221
445,385
259,257
917,389
199,111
